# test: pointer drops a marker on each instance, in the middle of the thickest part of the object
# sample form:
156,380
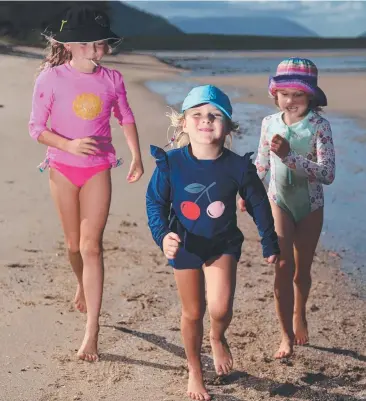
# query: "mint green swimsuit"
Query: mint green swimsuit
296,181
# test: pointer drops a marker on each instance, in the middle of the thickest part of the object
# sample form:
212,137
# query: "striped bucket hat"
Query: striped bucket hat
297,73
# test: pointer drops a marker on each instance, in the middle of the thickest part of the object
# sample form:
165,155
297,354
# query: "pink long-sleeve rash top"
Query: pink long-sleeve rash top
75,105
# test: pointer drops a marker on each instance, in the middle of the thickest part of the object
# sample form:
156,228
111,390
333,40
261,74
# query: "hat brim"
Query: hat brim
189,106
82,35
288,82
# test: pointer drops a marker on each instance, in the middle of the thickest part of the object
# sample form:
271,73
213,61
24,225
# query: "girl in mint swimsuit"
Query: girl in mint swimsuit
295,184
296,145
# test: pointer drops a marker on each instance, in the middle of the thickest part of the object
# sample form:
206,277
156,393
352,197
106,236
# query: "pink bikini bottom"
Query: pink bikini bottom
78,175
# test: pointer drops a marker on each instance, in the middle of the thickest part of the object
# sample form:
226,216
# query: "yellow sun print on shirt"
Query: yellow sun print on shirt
87,106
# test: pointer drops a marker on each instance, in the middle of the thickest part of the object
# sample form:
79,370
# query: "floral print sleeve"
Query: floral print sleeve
323,168
262,162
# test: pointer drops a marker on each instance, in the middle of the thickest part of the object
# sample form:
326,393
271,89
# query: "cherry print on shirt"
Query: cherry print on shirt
192,211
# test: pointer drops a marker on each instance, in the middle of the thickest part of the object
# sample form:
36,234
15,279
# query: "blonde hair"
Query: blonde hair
57,54
181,138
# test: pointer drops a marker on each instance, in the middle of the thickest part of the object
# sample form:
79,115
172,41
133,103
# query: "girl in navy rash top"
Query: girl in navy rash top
191,208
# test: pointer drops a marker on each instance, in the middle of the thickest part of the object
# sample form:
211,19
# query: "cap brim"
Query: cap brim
189,106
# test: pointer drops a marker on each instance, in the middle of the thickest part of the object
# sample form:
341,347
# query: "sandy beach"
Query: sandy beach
141,351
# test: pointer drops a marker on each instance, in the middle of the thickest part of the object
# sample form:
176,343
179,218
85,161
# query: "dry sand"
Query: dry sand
141,351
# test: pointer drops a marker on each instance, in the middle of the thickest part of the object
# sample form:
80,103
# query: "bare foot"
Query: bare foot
223,359
79,300
286,349
89,348
300,329
196,388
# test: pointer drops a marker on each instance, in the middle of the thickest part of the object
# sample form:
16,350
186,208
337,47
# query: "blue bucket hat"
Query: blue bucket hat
208,94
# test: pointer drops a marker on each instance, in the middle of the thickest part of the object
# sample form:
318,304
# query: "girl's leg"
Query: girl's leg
283,285
66,197
306,239
95,198
191,290
220,277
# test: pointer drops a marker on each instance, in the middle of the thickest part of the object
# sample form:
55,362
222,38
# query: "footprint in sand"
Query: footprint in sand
50,297
174,329
112,248
17,265
125,223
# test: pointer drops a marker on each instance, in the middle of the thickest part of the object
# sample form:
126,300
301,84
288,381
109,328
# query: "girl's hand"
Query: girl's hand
280,146
273,259
241,205
136,171
82,146
171,245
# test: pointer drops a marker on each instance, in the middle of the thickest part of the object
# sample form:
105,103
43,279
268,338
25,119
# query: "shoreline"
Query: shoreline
258,53
256,84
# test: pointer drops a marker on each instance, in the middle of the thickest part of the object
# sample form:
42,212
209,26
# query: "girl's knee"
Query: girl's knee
284,270
73,245
90,248
284,275
220,311
193,314
286,265
302,278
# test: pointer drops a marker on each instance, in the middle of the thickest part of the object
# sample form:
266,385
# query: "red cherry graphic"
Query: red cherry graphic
190,210
215,209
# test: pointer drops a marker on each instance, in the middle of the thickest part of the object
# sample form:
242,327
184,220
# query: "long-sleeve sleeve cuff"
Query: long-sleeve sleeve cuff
270,245
287,159
160,238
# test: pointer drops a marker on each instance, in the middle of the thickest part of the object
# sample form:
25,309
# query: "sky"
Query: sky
326,18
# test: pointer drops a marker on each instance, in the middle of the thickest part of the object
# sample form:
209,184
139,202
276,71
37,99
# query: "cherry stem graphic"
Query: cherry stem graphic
205,192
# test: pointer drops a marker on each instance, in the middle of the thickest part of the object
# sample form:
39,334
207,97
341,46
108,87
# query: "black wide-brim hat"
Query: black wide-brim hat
80,24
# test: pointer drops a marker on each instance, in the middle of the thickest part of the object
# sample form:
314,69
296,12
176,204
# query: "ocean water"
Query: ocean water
231,63
344,229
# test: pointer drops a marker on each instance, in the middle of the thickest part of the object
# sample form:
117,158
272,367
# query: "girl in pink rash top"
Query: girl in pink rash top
78,95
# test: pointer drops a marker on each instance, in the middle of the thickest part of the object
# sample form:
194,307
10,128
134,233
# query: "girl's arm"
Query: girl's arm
123,113
41,109
132,138
262,161
80,147
121,108
42,101
323,170
48,138
136,167
257,204
158,205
